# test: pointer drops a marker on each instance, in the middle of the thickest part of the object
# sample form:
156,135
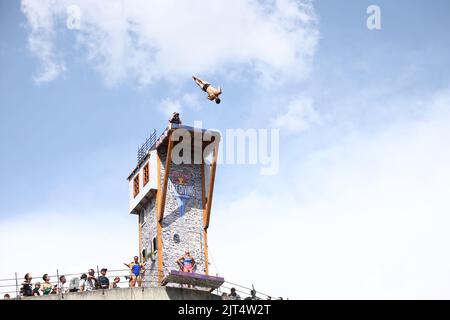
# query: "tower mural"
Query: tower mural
173,199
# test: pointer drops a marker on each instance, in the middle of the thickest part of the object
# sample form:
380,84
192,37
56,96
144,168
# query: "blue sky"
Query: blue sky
376,127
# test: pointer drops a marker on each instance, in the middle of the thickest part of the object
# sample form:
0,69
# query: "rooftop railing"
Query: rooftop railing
143,149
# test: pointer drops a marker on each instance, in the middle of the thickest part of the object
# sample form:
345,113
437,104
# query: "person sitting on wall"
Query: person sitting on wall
186,262
136,269
175,118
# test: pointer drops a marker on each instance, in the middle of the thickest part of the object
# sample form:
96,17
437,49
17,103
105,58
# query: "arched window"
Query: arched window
154,244
142,217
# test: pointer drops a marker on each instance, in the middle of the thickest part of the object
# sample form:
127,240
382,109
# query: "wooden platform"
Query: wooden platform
194,279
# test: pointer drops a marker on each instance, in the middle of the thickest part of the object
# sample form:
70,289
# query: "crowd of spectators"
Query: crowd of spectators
86,282
89,282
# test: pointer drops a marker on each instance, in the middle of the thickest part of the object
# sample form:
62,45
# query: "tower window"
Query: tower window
154,244
136,186
146,174
142,217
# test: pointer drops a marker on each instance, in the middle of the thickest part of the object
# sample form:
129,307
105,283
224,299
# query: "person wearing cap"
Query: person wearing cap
103,280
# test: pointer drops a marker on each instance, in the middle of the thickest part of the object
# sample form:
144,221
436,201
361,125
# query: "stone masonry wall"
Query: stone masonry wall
183,231
148,231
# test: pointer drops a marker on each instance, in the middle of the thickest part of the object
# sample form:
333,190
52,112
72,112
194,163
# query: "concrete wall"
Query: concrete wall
161,293
184,181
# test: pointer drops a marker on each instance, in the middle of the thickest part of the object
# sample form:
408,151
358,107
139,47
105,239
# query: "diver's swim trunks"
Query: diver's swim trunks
205,87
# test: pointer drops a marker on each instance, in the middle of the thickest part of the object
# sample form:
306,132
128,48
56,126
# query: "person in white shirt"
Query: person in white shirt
62,285
91,282
83,282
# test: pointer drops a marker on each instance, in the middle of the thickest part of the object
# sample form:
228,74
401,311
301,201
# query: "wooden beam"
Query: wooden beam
205,238
211,185
166,178
158,223
160,252
140,237
203,188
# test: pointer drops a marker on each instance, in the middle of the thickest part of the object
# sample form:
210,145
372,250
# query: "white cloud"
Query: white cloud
364,218
147,41
168,106
192,101
41,39
298,116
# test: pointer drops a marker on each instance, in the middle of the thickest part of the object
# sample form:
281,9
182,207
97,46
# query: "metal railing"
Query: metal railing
13,286
143,149
243,292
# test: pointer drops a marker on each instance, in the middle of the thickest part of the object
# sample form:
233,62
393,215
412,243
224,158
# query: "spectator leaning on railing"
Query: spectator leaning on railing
37,289
63,288
27,289
83,279
233,295
103,281
47,287
252,296
91,281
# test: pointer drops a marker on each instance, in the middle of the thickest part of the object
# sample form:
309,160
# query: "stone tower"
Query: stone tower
171,192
